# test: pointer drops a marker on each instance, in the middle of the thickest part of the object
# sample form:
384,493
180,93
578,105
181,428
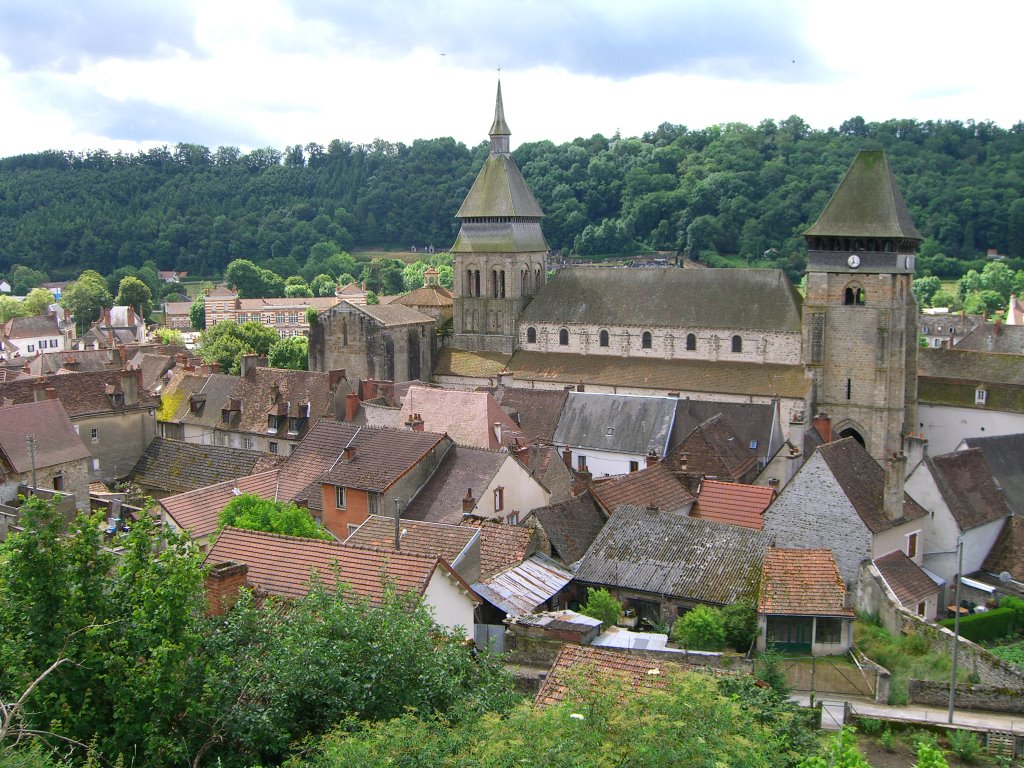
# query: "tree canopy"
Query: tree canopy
257,514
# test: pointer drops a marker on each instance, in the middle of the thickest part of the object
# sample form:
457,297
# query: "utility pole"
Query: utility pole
956,624
398,525
31,441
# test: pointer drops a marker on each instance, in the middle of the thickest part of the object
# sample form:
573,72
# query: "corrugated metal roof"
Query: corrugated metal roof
525,587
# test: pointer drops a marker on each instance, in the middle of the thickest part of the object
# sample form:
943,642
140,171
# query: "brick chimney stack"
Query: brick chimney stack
351,406
652,458
468,502
414,422
823,426
223,584
567,457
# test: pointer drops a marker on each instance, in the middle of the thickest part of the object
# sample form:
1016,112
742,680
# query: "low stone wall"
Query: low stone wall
988,698
883,677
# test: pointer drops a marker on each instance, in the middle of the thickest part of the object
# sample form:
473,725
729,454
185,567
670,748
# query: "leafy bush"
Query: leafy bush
251,512
701,629
930,757
740,622
601,605
987,626
887,740
768,669
964,744
870,726
1011,653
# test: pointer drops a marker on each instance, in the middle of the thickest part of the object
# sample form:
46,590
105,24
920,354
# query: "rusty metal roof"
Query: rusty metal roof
524,587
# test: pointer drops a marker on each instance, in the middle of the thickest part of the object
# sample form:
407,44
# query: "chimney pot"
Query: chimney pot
351,406
468,502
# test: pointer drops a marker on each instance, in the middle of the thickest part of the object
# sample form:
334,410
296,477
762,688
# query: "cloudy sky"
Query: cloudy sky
130,74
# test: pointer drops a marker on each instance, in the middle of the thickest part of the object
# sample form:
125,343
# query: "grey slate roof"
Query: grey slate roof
867,203
536,411
752,422
968,487
175,466
1005,457
463,468
394,314
499,190
617,423
1005,339
571,526
681,557
740,299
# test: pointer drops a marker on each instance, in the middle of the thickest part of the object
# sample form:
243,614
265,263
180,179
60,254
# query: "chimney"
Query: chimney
130,387
131,316
39,390
51,393
348,452
497,432
414,422
369,388
581,387
823,426
998,328
684,460
122,352
567,457
334,378
223,584
892,493
351,406
248,362
652,458
468,502
275,392
773,483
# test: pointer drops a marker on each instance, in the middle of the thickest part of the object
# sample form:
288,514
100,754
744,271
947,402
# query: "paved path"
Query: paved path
915,713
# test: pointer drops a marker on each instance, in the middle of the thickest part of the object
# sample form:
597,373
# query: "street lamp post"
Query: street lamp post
956,625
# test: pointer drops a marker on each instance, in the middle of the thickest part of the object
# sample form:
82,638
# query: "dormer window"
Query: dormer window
273,423
295,424
117,399
225,416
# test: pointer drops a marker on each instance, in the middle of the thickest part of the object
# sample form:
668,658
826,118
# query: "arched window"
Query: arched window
531,335
604,338
501,285
853,296
476,283
494,283
563,337
645,340
691,342
737,343
469,282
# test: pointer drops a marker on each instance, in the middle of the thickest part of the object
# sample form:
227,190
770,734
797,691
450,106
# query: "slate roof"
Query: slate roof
468,418
501,545
81,394
418,538
1005,457
713,376
803,582
681,557
617,423
1007,553
863,482
295,389
571,526
654,487
153,366
733,503
380,458
729,299
463,468
867,203
714,449
906,578
536,411
392,315
196,511
969,366
968,487
194,398
77,361
525,587
56,442
30,327
283,565
585,664
1003,339
752,422
459,362
176,466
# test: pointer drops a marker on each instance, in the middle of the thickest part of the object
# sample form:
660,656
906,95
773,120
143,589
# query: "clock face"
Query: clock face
853,261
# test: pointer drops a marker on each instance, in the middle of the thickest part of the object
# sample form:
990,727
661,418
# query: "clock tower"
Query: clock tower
859,315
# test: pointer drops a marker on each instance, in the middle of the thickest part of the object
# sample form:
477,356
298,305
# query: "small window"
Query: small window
351,528
737,344
581,463
912,545
980,396
603,338
247,443
512,519
31,347
272,447
531,335
58,483
849,388
921,608
339,497
94,434
499,499
272,423
563,337
645,340
634,466
828,630
691,342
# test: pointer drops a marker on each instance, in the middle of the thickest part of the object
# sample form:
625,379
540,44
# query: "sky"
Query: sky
127,75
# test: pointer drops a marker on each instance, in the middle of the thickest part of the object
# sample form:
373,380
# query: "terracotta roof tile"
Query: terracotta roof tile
379,456
501,546
427,296
56,440
733,503
283,565
968,487
285,393
468,418
197,511
906,578
417,537
655,487
1007,553
586,665
802,581
715,450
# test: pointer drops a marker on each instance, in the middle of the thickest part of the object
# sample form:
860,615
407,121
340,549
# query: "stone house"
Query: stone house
177,314
390,342
113,414
56,458
843,500
714,450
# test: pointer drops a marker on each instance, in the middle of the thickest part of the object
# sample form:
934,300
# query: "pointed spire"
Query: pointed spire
499,127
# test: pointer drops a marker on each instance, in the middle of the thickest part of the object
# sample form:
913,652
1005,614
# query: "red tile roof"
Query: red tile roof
906,578
379,456
733,503
283,565
81,394
655,487
417,537
804,582
56,440
197,511
591,667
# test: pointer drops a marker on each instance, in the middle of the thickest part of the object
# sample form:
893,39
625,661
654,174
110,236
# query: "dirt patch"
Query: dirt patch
904,756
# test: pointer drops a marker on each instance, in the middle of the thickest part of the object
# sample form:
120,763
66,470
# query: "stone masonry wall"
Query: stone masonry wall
988,698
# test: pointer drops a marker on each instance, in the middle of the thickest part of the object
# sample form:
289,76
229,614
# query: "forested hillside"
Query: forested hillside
733,190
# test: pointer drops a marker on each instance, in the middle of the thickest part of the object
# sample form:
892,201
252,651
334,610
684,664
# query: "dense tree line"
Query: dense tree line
732,190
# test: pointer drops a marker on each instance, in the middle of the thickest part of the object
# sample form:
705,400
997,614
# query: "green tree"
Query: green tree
925,288
251,281
197,312
700,629
257,514
11,308
170,336
24,279
292,352
226,342
132,292
602,605
322,285
85,298
37,302
739,620
945,298
298,291
977,302
412,275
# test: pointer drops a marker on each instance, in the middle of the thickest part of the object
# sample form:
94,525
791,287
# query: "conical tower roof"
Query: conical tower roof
499,127
867,203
